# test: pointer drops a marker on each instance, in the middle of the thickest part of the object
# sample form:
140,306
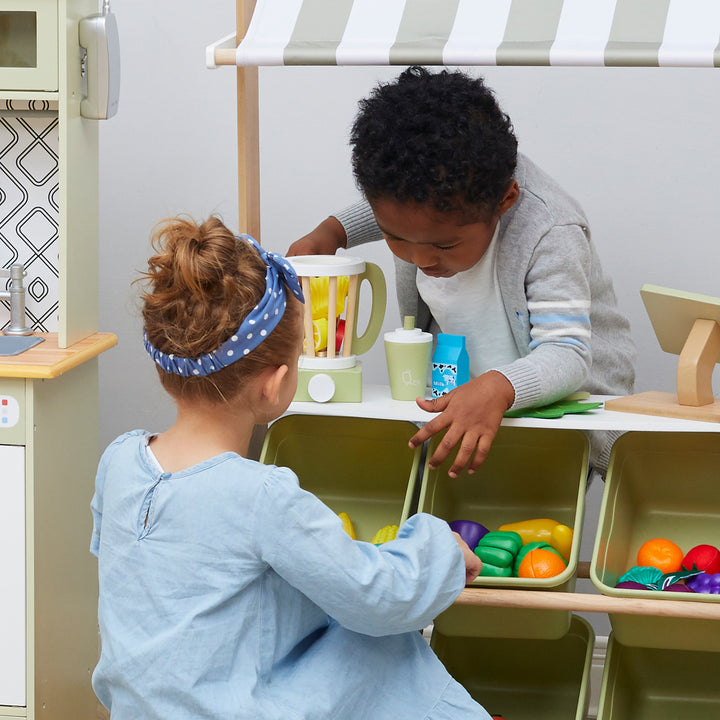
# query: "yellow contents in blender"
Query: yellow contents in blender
319,295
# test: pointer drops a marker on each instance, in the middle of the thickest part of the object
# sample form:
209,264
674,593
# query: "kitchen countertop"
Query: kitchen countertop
47,360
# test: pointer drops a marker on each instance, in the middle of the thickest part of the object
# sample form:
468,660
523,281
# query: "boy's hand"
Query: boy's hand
473,564
472,414
325,239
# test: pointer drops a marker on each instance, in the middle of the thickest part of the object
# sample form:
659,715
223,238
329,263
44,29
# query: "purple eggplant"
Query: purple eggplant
471,532
631,585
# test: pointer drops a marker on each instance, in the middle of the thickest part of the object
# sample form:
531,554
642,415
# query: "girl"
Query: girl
226,591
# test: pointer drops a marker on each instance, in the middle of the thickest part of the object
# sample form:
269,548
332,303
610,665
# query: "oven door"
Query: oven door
12,577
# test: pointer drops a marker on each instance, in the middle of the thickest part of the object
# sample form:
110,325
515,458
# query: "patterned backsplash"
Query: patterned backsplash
29,210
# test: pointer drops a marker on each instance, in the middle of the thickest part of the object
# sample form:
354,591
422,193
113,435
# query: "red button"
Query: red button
4,402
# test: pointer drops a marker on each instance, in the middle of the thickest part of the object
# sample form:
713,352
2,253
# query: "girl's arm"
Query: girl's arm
396,587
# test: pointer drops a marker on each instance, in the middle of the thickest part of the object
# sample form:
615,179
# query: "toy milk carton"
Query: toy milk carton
450,364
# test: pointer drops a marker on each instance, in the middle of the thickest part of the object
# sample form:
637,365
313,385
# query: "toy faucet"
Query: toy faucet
16,295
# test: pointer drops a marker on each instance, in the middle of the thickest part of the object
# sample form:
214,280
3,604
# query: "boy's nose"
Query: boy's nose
424,257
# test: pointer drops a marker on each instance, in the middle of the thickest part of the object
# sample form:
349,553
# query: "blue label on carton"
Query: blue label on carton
444,376
450,364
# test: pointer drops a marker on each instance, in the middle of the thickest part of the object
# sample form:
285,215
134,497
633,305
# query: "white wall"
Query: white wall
170,149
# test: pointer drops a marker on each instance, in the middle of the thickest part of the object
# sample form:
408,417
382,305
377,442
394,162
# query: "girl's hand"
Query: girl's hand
471,413
473,564
325,239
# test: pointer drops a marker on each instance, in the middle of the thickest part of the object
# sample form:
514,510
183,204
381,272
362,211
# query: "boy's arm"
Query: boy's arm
471,415
558,293
354,225
557,286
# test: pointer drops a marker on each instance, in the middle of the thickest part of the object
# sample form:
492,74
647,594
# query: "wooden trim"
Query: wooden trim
225,56
578,602
248,134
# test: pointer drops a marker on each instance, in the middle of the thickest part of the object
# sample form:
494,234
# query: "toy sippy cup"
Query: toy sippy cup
407,351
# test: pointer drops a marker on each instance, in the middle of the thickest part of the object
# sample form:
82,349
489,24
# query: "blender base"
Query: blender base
341,385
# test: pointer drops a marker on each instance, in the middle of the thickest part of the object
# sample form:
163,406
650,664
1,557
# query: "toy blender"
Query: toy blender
328,368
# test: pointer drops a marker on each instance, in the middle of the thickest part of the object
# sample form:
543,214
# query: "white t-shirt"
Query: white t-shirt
469,303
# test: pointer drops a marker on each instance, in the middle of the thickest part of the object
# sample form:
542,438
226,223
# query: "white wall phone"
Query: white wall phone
101,64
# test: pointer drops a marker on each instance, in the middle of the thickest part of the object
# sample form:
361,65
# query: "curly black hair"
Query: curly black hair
439,139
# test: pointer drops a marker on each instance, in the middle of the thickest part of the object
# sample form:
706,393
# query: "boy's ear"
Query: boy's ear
271,382
509,198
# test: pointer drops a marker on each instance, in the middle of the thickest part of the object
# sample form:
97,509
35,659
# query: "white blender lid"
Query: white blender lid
326,265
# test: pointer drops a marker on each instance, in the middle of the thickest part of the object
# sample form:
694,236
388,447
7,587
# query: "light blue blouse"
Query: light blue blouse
228,592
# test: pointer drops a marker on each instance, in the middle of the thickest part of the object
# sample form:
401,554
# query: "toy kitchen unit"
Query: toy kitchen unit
51,96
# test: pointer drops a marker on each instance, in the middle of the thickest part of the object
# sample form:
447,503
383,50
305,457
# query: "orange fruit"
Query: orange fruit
660,553
541,563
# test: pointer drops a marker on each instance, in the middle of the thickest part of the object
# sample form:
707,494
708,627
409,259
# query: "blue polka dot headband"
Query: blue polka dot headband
259,323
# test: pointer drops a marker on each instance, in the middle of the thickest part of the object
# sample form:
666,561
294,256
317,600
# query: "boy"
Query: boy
487,246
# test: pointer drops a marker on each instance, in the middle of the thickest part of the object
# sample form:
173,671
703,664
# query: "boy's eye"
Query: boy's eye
447,247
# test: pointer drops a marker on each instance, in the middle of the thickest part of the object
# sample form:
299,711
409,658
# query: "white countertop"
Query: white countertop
377,403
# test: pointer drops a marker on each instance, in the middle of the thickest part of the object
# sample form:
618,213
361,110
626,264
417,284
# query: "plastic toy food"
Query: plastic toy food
383,535
541,563
644,576
650,578
705,583
471,532
319,293
703,557
497,550
525,549
630,585
552,532
661,553
347,524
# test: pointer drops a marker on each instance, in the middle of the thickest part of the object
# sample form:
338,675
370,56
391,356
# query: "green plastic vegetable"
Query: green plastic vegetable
497,550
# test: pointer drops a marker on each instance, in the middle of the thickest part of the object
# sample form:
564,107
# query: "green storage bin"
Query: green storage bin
360,466
524,679
658,485
659,684
529,473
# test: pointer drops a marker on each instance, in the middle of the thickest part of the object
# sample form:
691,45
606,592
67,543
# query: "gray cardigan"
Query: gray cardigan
544,253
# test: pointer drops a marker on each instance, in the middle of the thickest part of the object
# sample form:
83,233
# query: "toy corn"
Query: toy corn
347,524
497,550
383,535
555,534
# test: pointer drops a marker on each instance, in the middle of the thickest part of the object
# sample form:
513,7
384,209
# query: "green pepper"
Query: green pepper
497,551
505,539
494,556
495,571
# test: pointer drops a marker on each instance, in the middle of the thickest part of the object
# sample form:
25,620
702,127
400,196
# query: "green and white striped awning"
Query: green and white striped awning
483,32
